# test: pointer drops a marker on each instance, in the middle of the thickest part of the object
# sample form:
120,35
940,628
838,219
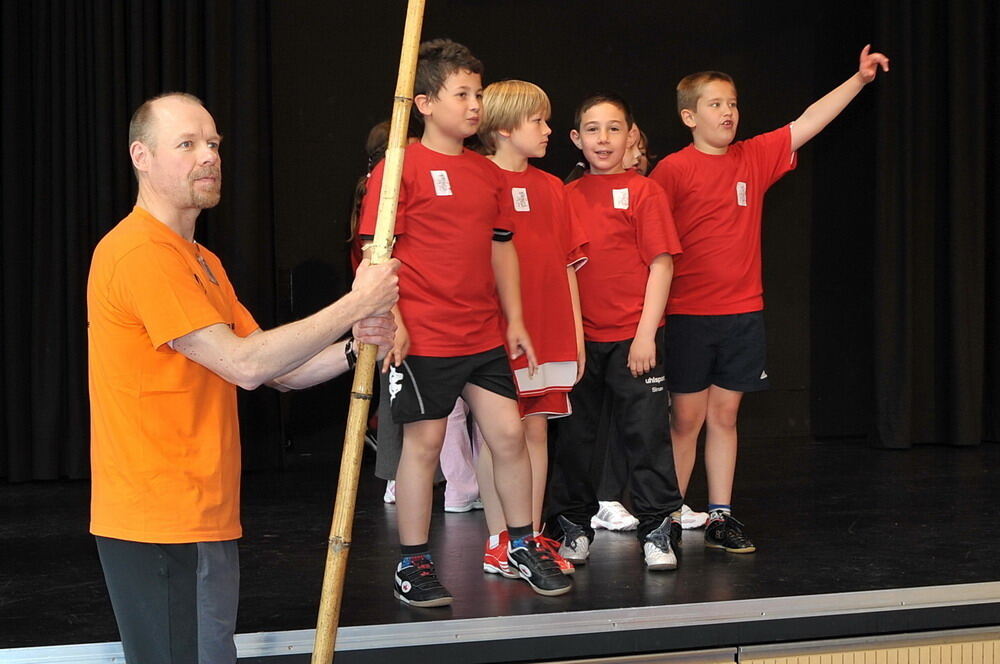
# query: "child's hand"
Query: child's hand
400,347
519,344
378,330
870,63
641,356
581,363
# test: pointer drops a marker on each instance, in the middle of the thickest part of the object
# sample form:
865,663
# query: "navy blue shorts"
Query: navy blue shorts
729,351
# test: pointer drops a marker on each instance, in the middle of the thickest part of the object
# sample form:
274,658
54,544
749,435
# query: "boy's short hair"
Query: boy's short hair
603,98
439,59
689,89
506,104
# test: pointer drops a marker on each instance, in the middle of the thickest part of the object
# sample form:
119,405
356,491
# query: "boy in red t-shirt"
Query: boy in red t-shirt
453,240
623,293
715,335
549,243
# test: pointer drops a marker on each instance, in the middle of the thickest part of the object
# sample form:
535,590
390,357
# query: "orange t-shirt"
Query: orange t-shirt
165,442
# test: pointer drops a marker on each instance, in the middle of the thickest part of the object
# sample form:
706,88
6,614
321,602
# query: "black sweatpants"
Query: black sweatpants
640,409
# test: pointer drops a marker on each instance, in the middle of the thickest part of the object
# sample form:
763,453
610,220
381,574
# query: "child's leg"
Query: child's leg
456,461
500,422
536,435
641,418
721,443
495,522
687,415
415,479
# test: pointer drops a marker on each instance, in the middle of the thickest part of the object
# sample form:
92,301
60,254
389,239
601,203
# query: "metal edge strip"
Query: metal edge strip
472,630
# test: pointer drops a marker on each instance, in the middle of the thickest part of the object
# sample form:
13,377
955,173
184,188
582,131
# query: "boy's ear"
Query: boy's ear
423,104
574,136
687,117
504,132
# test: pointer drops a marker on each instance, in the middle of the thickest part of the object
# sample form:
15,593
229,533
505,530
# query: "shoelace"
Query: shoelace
549,545
423,565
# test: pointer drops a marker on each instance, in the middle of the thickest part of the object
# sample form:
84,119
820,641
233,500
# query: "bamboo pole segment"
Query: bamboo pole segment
361,391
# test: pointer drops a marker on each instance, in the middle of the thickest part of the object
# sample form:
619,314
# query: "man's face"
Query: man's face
716,116
455,109
182,164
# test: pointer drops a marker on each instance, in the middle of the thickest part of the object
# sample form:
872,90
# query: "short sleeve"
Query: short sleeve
666,175
771,154
369,204
164,293
574,238
655,229
505,209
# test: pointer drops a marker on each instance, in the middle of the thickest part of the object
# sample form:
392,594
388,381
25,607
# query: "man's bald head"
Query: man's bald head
142,126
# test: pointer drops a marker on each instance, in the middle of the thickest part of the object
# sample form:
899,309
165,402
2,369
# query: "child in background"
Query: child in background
459,269
716,349
623,292
549,245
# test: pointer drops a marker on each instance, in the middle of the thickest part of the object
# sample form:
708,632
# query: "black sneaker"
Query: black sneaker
537,566
724,531
417,584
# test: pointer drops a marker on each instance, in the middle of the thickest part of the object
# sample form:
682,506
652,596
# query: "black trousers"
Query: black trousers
578,453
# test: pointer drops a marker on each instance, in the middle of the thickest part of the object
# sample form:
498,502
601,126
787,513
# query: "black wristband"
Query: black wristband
350,353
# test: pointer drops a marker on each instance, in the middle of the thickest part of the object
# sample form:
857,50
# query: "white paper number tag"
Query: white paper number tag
741,194
620,197
520,196
442,186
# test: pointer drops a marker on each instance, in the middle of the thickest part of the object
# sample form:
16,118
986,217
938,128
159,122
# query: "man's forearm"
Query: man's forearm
328,363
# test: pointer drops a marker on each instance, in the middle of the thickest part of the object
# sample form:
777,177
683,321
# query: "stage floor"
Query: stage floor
851,541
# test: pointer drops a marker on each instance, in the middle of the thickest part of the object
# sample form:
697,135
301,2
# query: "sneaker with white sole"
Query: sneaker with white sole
690,520
495,558
463,505
536,566
416,583
657,550
576,545
612,515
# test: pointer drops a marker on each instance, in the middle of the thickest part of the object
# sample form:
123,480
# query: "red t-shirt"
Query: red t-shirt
449,206
717,201
627,221
548,240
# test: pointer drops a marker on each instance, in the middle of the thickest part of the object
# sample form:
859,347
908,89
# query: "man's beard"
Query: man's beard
203,199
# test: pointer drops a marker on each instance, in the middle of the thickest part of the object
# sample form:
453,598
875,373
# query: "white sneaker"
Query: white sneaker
612,515
389,497
576,550
659,556
691,519
474,504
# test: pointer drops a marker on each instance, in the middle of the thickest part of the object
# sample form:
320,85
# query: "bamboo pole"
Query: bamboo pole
361,391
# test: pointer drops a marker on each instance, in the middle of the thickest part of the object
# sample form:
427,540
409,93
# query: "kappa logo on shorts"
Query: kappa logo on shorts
395,382
763,374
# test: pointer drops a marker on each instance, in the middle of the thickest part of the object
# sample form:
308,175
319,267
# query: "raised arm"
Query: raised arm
260,358
507,272
820,114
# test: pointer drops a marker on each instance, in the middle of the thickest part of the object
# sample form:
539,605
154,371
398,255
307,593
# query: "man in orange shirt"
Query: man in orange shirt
169,343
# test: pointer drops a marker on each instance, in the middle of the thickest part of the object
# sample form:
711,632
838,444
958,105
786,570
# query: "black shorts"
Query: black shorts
425,388
729,351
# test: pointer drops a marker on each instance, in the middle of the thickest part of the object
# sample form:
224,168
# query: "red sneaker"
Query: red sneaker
551,547
495,559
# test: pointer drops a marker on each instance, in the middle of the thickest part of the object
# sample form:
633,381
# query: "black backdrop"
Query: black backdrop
880,251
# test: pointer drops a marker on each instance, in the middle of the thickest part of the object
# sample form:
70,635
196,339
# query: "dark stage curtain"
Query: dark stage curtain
71,74
937,277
